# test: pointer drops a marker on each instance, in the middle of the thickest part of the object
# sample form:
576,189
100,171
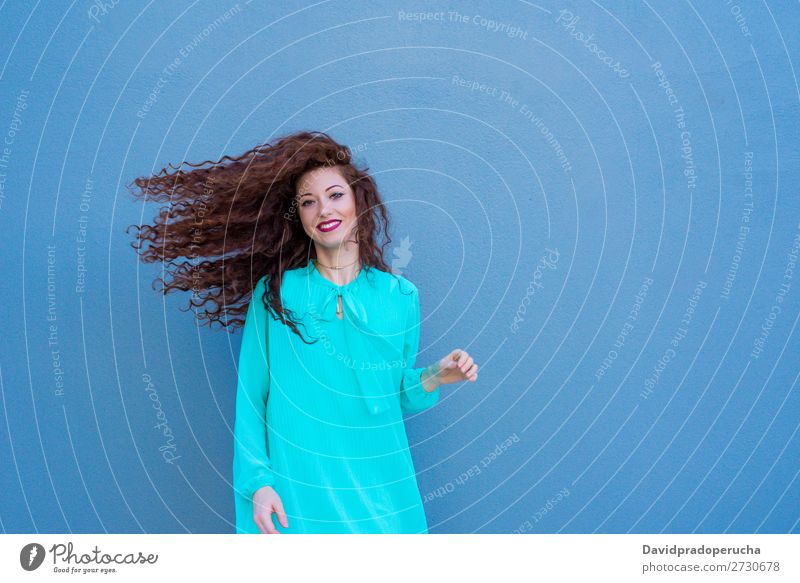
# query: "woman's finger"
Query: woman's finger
281,514
471,371
260,524
467,364
462,358
270,525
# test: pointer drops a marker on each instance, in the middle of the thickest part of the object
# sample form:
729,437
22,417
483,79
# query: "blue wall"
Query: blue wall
600,203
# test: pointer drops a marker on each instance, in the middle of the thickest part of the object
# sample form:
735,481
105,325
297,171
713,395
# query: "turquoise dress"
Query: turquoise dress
322,423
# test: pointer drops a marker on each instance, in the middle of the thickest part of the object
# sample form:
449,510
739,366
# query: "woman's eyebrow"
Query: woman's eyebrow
326,190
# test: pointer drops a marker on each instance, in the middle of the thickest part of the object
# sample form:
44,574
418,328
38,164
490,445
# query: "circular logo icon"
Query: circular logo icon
31,556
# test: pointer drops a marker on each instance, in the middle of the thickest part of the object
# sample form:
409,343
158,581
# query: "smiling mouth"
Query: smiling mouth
328,226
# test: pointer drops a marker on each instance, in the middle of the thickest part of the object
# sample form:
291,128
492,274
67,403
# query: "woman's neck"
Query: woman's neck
347,260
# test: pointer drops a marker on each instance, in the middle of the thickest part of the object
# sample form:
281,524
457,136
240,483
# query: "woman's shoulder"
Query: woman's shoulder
392,282
290,276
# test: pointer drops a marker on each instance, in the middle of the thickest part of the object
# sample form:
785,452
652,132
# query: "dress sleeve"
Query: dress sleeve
251,465
413,397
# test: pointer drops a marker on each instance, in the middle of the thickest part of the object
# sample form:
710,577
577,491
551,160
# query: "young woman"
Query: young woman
327,361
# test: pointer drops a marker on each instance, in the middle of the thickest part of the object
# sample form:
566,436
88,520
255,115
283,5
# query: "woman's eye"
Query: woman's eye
309,201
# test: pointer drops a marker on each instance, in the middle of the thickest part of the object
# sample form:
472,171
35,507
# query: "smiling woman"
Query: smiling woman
289,232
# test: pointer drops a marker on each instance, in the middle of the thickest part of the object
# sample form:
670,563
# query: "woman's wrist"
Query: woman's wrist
429,379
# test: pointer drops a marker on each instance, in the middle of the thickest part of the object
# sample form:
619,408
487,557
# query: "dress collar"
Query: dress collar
325,297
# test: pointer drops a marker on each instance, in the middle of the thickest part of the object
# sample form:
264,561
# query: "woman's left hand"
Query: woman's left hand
457,366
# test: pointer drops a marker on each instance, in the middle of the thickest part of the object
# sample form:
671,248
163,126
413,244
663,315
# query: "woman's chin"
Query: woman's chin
330,243
333,240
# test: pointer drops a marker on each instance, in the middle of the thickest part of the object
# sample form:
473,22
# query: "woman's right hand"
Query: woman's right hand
265,502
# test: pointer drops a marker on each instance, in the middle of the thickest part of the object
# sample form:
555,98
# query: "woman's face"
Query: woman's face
327,206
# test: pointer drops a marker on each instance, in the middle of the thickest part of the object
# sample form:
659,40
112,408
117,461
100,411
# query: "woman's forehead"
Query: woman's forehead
320,178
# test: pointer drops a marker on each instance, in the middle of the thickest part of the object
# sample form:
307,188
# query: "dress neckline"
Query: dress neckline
320,279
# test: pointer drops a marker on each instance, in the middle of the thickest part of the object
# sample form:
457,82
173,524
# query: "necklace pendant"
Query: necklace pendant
339,312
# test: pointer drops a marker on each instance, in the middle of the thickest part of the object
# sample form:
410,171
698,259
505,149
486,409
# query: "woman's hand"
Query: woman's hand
456,366
265,502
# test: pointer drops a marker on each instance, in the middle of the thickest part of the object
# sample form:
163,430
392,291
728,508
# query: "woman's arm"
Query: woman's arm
251,464
419,388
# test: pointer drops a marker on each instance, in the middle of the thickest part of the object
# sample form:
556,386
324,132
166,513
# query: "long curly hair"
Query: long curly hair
230,222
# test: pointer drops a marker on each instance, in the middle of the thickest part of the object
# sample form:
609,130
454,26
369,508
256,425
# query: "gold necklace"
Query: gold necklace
339,311
330,267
